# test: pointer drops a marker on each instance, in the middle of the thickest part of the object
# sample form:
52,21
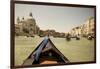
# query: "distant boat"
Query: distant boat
77,38
89,37
68,37
46,53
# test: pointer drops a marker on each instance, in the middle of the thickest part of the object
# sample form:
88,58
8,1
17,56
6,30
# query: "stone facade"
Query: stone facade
26,27
84,30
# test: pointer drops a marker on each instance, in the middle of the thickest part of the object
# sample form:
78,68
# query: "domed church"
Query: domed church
26,27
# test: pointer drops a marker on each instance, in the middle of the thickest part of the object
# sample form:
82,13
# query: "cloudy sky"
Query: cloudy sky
61,19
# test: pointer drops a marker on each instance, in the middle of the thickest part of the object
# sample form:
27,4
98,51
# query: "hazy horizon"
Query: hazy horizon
61,19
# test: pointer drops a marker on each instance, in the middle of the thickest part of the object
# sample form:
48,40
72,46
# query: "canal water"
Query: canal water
75,50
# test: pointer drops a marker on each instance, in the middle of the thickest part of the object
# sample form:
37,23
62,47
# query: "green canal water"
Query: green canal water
75,50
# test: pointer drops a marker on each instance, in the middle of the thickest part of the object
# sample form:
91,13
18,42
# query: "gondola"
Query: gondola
46,53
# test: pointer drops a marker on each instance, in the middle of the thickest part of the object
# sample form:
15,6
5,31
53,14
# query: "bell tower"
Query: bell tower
18,20
30,14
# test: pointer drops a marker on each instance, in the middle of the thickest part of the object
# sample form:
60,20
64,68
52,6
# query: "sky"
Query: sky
61,19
